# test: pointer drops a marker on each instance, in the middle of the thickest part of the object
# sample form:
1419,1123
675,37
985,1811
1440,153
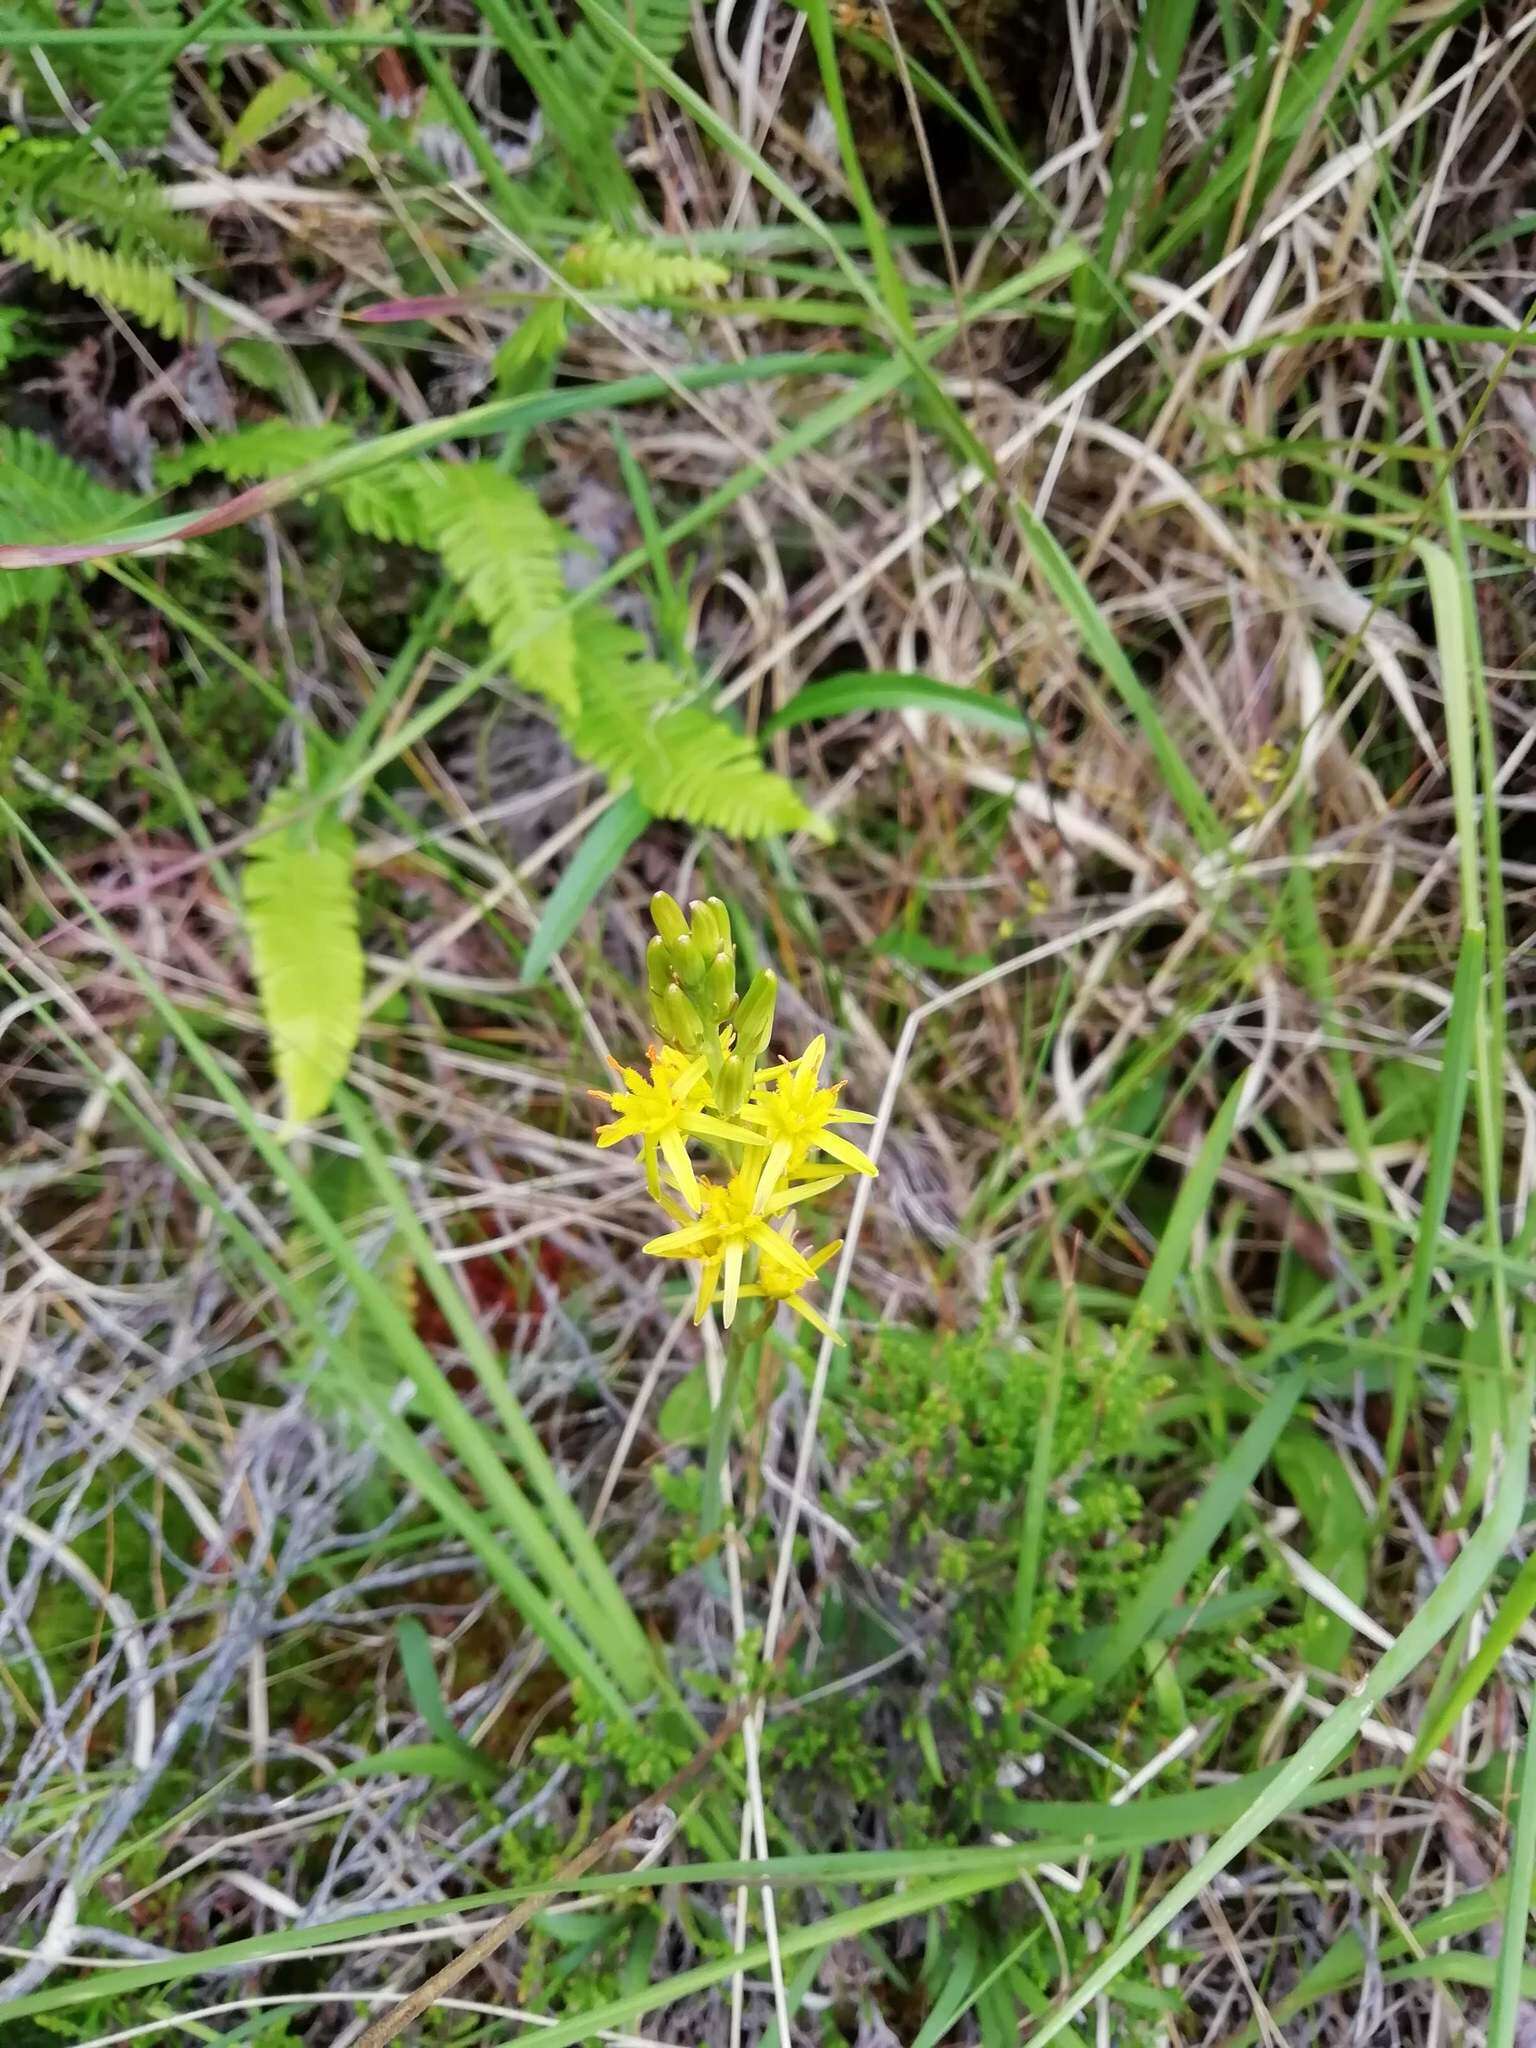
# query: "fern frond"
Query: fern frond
397,504
131,284
128,83
269,108
393,503
269,448
67,183
604,74
685,762
307,958
603,260
504,550
15,340
46,497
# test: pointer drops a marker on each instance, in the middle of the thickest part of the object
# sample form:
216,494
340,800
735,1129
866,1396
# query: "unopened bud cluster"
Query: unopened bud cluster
690,970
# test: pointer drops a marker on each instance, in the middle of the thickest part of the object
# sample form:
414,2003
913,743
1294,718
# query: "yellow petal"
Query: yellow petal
781,1252
772,1173
849,1154
675,1152
734,1254
813,1316
679,1244
683,1081
802,1191
708,1126
709,1282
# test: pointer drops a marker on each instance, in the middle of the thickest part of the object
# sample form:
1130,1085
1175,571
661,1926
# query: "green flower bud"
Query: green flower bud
668,918
706,935
688,962
661,1014
720,986
732,1084
754,1016
658,968
686,1031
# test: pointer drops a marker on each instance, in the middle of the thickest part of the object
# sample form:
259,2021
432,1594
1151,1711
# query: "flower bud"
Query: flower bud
754,1016
683,1019
707,935
688,962
720,985
658,968
668,918
732,1084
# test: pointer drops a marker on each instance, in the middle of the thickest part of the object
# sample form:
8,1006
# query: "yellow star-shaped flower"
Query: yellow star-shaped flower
775,1283
734,1220
663,1112
793,1112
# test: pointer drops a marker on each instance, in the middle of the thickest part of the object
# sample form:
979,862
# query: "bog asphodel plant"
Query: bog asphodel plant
767,1130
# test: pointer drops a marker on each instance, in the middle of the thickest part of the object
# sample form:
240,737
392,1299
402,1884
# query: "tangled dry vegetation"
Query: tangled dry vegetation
1125,1636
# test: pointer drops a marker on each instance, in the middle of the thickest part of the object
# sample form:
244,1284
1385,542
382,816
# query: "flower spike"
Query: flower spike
770,1127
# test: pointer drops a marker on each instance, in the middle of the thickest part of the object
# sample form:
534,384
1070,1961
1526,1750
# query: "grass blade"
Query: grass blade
1514,1612
1462,1585
1511,1981
835,696
591,866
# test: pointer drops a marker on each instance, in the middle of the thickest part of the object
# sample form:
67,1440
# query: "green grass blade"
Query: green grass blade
1197,1533
836,696
593,864
1514,1612
579,1572
1511,1980
1075,597
1444,1147
1462,1584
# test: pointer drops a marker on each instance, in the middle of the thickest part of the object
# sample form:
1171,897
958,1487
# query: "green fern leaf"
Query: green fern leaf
269,448
684,762
46,497
269,108
504,550
68,183
604,261
604,74
131,284
301,916
396,504
392,503
128,85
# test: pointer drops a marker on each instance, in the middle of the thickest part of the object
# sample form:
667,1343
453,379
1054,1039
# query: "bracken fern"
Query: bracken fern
498,543
301,914
131,284
685,762
603,260
65,183
127,85
46,497
604,73
619,710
